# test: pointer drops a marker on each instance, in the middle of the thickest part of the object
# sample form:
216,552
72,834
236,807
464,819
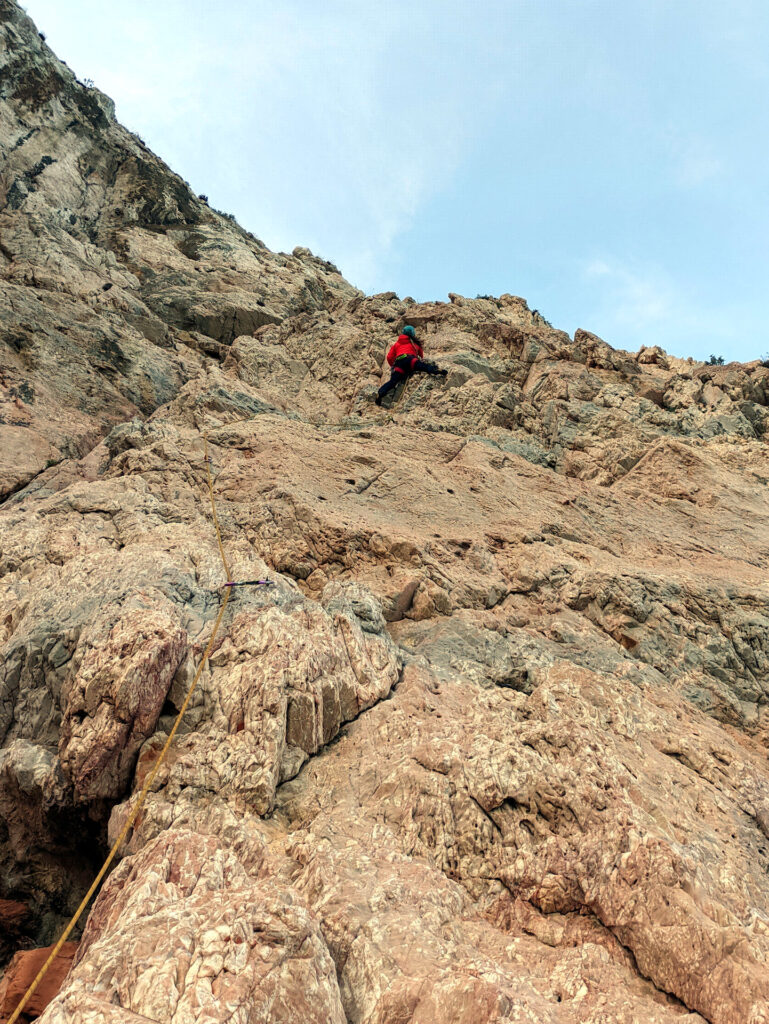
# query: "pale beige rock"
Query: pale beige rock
114,276
492,747
241,950
408,946
571,818
282,683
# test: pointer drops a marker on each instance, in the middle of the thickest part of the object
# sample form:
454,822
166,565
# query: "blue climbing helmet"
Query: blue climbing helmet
408,329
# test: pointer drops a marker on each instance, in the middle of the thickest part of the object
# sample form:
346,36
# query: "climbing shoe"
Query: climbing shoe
378,400
443,373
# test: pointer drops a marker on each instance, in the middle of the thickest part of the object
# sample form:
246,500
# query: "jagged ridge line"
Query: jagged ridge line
151,777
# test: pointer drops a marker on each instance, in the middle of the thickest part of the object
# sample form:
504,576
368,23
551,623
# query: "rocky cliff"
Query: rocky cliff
493,745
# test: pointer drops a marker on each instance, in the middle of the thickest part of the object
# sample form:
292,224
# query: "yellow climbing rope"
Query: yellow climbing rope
151,777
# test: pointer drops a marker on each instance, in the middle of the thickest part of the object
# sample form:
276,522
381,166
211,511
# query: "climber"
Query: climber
405,358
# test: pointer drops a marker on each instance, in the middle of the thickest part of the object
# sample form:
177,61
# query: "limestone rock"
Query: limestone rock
653,354
241,949
107,261
491,744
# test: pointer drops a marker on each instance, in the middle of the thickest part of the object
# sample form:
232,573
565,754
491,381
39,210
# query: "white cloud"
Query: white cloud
475,132
308,122
635,299
739,31
632,304
695,158
597,268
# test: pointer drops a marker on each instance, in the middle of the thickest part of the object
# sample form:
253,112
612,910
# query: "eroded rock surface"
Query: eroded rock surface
252,949
115,279
490,747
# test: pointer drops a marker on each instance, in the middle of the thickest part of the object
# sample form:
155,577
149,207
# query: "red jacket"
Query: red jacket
404,346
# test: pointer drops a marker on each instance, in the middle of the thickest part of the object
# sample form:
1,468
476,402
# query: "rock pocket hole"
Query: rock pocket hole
350,481
449,490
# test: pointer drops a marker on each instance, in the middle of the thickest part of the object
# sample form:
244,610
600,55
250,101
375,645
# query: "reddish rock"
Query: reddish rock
20,974
12,915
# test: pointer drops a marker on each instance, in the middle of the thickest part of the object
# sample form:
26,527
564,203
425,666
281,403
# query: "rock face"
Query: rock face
249,944
114,277
22,971
491,747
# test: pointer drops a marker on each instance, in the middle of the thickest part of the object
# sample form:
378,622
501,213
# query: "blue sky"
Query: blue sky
605,159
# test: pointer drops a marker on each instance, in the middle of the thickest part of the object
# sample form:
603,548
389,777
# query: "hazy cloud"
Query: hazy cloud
313,124
640,298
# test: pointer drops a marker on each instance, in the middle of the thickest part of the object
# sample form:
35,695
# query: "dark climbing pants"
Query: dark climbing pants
399,375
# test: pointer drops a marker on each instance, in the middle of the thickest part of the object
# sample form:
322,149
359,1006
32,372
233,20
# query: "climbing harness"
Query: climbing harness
151,777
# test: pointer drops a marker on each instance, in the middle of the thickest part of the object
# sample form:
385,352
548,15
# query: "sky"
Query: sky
605,159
